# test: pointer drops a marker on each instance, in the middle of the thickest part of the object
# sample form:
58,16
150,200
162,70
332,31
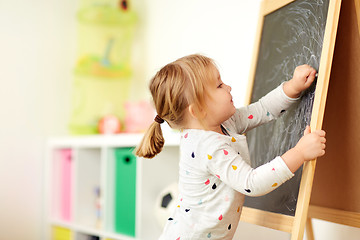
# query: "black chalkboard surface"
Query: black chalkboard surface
291,36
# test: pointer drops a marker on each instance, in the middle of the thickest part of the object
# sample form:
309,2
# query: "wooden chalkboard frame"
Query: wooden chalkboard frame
296,225
336,207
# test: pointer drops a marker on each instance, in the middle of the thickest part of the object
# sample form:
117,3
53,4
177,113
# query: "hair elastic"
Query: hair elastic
158,119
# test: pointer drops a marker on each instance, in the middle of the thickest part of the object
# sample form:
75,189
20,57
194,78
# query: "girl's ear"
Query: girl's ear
196,112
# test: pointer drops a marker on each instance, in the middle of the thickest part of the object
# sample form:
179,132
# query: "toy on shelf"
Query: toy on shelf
109,124
98,206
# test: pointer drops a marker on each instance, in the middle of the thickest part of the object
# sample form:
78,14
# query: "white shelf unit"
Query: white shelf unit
76,166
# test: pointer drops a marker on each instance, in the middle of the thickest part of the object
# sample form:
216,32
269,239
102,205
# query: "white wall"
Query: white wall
36,51
222,30
37,47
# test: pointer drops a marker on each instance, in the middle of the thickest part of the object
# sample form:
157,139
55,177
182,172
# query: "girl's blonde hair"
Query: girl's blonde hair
173,89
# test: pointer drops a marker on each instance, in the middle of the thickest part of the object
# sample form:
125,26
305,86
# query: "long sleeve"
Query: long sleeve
232,169
269,107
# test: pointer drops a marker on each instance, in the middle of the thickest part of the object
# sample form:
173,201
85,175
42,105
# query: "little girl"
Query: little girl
214,172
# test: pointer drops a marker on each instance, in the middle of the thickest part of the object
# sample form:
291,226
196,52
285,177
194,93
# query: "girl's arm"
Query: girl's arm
230,168
309,147
228,165
268,108
275,103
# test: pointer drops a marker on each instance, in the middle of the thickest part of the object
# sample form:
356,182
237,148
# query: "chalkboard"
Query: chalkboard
291,36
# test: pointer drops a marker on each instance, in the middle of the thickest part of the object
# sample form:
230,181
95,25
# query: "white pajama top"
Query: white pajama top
215,173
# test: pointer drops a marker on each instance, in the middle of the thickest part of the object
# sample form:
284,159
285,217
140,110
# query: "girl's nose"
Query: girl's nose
229,88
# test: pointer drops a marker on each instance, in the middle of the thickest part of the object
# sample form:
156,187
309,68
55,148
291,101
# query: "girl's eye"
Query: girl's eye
220,85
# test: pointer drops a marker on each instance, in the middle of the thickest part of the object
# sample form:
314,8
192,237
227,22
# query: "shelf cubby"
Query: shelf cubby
96,188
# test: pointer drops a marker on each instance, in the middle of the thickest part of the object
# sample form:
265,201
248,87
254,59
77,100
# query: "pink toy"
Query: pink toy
139,116
109,125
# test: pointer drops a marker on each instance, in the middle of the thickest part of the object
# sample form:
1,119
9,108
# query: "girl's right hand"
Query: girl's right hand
312,144
309,147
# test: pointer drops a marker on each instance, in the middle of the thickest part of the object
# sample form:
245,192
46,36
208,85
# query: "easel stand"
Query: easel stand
336,193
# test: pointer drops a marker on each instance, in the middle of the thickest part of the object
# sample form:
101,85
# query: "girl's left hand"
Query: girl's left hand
303,77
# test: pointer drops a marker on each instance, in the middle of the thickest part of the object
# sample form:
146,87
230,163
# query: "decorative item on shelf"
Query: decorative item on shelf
98,206
139,115
103,71
166,202
109,124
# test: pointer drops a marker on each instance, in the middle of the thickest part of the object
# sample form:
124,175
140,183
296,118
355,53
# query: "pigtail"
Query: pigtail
152,142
